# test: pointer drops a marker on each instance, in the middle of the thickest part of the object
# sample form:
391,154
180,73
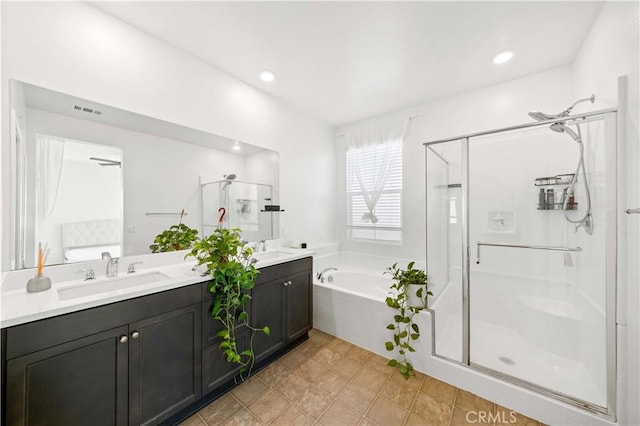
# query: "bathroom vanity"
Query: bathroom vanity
148,359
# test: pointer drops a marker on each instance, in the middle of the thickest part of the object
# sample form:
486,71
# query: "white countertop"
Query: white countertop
17,306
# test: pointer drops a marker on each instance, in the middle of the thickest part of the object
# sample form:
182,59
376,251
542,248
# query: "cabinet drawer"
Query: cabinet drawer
274,272
38,335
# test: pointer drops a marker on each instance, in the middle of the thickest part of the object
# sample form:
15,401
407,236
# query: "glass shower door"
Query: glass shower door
537,282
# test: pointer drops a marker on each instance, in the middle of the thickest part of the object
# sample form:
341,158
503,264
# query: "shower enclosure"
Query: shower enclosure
234,204
521,292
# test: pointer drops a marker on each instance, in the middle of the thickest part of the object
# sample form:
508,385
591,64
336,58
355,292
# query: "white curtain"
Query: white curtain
381,135
49,159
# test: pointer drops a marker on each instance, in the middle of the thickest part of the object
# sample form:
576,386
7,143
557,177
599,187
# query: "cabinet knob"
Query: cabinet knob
123,339
135,335
288,283
285,284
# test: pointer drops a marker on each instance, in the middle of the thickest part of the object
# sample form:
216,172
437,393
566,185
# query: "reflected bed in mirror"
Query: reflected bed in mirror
85,176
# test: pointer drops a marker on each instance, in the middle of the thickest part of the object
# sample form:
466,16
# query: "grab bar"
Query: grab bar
523,246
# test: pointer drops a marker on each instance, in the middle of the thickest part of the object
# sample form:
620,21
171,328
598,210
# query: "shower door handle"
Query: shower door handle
630,211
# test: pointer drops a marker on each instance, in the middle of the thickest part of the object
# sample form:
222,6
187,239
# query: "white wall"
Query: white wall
75,48
490,107
610,51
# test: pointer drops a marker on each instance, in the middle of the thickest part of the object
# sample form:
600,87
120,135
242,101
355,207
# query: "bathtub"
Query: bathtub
353,308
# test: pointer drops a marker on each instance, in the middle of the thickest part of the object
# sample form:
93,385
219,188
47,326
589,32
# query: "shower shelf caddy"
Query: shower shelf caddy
557,204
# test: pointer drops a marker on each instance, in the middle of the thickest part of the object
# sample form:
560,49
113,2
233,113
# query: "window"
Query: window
388,210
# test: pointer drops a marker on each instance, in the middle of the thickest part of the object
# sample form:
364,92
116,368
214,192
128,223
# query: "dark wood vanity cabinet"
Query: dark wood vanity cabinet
143,361
282,301
135,362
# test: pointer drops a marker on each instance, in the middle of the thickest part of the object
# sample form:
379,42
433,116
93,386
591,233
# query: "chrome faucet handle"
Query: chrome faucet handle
88,274
105,255
132,267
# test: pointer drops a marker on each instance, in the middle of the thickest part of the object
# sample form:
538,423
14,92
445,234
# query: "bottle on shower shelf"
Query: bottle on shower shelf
550,199
542,205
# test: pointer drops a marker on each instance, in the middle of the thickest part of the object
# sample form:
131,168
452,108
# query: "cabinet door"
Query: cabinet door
82,382
298,309
216,370
267,309
164,365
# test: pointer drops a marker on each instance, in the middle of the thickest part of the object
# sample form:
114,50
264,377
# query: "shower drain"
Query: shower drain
506,360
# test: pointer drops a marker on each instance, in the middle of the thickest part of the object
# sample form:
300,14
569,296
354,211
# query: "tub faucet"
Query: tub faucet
112,267
321,275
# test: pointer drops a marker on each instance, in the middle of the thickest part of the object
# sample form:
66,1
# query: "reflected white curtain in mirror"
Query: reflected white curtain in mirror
373,151
49,159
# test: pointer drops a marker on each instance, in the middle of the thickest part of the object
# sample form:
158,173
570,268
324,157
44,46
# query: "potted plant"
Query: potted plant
177,237
408,297
229,263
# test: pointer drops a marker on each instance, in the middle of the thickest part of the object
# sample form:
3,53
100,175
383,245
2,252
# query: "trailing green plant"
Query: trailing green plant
177,237
229,263
405,330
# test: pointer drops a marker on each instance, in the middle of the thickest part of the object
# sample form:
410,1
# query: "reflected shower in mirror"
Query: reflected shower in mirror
88,178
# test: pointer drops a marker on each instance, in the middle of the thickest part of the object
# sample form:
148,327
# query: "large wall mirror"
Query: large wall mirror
88,178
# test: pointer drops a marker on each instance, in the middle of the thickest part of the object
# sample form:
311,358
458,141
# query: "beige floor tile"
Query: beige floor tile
321,337
468,401
243,418
504,416
292,416
339,414
359,354
381,364
357,397
292,386
340,346
416,379
367,422
440,391
293,359
220,410
308,348
348,367
435,412
387,413
273,373
194,420
310,370
326,357
462,417
313,401
371,379
268,406
249,390
399,393
415,420
331,382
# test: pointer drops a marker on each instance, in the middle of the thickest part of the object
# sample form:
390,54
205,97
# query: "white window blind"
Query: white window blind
388,210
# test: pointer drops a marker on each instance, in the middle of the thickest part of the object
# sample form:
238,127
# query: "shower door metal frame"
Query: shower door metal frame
610,118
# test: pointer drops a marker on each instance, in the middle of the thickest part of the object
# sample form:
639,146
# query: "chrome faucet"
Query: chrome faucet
112,267
323,278
258,244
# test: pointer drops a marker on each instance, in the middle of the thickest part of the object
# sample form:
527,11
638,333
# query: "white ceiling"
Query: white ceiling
344,61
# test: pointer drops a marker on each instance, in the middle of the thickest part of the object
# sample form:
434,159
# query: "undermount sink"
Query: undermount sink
268,255
105,285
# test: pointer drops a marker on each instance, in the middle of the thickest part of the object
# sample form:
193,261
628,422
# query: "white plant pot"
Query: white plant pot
413,300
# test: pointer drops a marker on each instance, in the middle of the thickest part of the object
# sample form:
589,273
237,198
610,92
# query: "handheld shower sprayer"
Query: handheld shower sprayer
561,126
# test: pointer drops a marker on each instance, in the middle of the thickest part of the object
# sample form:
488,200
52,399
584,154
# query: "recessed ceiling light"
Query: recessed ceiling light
267,76
503,57
236,146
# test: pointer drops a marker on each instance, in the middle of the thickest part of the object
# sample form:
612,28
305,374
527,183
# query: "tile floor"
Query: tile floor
327,381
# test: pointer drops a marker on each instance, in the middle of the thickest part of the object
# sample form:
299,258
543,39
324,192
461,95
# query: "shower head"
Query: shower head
560,127
541,116
230,176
